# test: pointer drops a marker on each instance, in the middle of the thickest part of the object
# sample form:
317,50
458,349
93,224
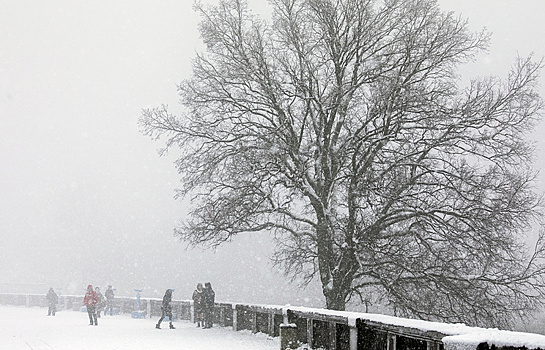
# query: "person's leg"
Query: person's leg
158,325
210,317
93,317
90,313
170,325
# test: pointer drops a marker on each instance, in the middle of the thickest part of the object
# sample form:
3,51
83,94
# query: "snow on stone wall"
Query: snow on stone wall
470,340
457,336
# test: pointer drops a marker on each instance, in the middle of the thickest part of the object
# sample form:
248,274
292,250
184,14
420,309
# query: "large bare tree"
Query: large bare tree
340,128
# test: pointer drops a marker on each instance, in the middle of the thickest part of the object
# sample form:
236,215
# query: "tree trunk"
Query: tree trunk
336,273
334,299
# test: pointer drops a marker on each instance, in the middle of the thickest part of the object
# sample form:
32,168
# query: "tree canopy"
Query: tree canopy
340,127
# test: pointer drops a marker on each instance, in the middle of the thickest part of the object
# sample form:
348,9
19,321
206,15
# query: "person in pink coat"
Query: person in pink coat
90,300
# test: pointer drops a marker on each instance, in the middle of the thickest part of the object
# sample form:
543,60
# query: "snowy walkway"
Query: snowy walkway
30,329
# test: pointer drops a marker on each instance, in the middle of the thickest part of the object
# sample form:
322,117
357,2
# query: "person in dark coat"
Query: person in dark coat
52,301
90,300
197,305
109,294
166,309
208,301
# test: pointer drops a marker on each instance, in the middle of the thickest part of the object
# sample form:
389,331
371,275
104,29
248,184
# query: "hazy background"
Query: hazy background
84,197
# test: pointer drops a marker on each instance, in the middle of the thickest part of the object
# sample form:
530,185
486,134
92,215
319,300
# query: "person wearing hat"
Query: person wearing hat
90,300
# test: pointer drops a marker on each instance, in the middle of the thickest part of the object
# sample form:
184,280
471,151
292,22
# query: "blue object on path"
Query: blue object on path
138,313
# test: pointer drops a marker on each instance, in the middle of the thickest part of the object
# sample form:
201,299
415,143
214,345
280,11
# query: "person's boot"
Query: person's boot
171,326
158,326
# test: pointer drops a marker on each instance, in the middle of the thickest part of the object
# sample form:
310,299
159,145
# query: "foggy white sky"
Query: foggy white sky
84,198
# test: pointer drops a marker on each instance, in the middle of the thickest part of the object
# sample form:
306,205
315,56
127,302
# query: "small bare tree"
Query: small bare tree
340,128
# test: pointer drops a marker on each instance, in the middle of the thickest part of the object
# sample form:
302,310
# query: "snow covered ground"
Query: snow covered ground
30,328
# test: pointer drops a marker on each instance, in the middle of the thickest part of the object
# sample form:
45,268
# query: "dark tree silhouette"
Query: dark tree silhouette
340,128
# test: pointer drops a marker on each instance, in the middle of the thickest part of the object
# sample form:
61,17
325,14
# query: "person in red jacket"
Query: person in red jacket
90,300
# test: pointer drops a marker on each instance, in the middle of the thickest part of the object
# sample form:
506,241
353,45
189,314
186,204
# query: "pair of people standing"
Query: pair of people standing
203,305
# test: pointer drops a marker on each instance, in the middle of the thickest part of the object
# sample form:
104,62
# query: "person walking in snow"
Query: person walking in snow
101,302
197,305
208,302
90,300
109,294
52,301
166,309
